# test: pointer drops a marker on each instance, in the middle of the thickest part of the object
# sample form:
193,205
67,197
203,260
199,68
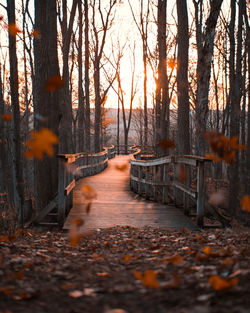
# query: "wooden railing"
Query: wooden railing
71,168
121,149
154,178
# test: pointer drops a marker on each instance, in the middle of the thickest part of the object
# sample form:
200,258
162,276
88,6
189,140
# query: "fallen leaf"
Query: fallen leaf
41,142
122,167
54,83
175,259
36,34
88,192
149,278
89,292
6,291
115,311
222,147
227,261
75,234
245,203
219,283
76,293
103,274
13,29
127,258
6,117
166,144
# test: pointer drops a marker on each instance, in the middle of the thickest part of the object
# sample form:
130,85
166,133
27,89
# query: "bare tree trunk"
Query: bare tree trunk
66,143
248,109
17,155
235,99
46,104
182,79
86,64
205,54
81,108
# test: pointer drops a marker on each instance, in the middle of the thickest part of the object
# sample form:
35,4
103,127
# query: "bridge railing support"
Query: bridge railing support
155,178
71,168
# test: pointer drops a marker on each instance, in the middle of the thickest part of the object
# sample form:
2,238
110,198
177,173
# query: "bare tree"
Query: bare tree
205,46
16,140
99,39
142,27
182,78
46,104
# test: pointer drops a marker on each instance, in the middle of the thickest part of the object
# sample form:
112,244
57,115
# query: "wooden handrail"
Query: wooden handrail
86,164
71,168
151,179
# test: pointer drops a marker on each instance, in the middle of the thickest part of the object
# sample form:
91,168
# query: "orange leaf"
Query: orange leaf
149,278
219,283
13,29
175,259
6,291
228,261
75,234
172,63
54,83
6,117
42,142
166,144
122,167
88,192
127,258
245,203
36,34
103,274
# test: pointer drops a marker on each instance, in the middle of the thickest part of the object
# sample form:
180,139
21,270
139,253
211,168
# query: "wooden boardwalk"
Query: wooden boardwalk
116,205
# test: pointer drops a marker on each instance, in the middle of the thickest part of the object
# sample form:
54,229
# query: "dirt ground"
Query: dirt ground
126,270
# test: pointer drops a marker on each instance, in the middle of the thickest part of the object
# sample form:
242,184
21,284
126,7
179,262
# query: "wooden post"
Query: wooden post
165,187
201,194
61,196
140,183
147,186
185,195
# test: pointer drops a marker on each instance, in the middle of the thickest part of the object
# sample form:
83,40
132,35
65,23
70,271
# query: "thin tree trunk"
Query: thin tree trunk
205,54
86,64
182,79
17,155
81,109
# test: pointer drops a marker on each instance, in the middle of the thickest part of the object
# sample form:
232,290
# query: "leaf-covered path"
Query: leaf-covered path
117,205
126,270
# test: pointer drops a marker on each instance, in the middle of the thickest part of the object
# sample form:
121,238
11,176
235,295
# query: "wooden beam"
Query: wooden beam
45,211
69,188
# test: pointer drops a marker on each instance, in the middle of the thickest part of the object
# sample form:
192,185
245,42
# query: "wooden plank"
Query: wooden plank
69,188
117,205
46,210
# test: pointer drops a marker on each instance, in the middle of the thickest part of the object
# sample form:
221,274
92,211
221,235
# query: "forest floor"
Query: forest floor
126,270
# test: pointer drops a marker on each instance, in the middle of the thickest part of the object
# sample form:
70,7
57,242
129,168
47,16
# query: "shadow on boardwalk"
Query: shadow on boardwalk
116,205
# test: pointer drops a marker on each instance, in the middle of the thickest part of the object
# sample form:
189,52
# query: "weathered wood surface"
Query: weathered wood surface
117,205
